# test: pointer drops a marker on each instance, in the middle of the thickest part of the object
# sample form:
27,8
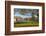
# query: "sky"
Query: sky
17,13
23,16
27,15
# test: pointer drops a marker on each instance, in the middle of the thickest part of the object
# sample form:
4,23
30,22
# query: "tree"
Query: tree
35,12
22,11
25,11
33,18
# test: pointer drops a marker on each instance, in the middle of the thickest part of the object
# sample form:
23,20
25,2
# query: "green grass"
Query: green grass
26,24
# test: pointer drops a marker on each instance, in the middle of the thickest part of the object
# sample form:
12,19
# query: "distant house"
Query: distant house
28,19
18,19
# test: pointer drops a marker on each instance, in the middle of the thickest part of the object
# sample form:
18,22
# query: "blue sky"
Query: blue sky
23,16
17,13
27,15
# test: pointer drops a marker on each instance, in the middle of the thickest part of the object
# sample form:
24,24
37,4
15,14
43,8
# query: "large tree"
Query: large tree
35,12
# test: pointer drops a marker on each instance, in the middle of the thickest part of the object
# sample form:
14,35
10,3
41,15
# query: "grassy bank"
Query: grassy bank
26,24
